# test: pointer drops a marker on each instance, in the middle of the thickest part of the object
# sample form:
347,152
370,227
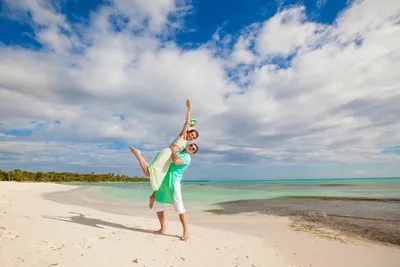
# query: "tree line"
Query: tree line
65,177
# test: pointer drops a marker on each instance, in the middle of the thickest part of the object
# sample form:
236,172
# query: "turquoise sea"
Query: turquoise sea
210,192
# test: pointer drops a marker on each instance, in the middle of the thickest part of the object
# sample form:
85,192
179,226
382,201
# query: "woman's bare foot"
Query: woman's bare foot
151,201
160,232
185,237
135,151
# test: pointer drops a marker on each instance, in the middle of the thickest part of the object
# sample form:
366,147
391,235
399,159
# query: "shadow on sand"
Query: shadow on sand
81,219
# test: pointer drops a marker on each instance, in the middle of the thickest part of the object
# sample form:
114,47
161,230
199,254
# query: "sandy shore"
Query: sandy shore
376,219
59,225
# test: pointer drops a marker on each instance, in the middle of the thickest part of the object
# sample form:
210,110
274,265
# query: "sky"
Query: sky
281,89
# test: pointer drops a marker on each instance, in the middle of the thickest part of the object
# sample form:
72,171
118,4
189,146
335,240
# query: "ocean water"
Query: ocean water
207,193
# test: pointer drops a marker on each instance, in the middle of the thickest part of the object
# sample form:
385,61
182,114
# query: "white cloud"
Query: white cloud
156,11
359,172
285,32
368,17
43,12
242,52
47,21
335,102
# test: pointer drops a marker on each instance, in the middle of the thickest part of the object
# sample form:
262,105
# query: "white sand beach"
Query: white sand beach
39,232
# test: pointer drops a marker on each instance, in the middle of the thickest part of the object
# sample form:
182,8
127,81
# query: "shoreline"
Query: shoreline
313,212
374,219
331,181
92,225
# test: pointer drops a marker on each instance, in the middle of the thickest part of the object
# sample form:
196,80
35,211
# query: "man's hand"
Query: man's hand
174,148
175,159
188,105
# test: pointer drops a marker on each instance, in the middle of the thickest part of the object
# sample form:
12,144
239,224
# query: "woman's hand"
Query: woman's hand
186,124
188,105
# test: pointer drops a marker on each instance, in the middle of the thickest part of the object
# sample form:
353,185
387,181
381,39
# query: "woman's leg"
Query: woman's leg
158,168
151,199
142,161
146,172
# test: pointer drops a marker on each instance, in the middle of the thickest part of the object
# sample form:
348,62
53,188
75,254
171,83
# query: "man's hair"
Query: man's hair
197,149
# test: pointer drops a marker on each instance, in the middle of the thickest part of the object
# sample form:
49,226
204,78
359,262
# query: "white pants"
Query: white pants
178,203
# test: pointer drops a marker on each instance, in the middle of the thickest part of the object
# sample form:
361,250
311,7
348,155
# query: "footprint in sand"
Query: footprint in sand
19,259
83,245
58,247
48,243
50,246
8,235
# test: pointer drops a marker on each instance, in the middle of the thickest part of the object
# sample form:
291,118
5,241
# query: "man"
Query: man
158,168
169,191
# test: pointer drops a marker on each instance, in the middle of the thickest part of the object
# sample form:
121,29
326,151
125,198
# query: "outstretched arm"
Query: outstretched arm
185,126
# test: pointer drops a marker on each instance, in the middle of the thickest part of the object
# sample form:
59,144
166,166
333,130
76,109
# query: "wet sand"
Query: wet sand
369,218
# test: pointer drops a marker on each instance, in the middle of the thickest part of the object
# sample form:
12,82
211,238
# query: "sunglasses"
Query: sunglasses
193,147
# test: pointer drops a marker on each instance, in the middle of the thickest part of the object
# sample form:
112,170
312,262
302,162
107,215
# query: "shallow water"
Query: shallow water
207,193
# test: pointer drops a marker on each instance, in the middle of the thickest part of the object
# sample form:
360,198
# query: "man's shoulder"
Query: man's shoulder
185,156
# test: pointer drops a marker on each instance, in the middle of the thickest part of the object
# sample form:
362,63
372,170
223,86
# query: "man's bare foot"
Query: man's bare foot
185,237
151,201
135,151
159,232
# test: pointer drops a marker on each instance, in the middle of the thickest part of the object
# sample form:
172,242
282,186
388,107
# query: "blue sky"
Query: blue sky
282,89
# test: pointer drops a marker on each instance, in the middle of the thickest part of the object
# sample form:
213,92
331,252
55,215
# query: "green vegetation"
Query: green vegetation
65,177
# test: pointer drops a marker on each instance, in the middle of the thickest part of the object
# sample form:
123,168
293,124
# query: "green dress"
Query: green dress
159,167
165,194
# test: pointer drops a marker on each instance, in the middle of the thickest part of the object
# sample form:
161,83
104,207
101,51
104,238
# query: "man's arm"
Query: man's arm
177,160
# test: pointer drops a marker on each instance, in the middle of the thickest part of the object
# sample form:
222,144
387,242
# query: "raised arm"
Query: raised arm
185,126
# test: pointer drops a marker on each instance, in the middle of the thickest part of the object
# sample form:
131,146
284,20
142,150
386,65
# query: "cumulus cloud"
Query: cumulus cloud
285,91
318,106
285,32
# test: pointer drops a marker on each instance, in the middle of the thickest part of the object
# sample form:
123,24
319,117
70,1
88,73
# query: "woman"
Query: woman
158,168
